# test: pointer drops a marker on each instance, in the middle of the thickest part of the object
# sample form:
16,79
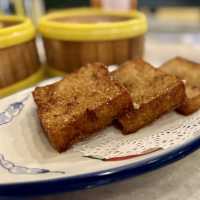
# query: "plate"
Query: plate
30,166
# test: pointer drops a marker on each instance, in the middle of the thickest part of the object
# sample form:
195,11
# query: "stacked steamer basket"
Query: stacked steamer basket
19,62
78,36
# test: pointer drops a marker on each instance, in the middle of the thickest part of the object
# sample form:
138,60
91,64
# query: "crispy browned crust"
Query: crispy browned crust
190,72
151,106
189,106
148,112
63,134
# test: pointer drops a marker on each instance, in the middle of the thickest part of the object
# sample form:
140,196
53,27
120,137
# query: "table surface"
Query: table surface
180,180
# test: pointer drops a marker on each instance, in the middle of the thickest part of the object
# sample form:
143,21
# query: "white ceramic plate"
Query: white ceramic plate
29,165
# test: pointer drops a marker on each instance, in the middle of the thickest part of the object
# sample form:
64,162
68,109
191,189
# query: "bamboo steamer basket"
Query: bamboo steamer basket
19,62
74,37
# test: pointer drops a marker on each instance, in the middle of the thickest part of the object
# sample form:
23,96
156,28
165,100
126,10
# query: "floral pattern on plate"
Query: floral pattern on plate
6,117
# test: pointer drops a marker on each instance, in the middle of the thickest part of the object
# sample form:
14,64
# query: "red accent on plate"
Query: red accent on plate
152,150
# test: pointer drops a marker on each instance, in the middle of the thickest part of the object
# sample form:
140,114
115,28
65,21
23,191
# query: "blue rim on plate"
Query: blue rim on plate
99,178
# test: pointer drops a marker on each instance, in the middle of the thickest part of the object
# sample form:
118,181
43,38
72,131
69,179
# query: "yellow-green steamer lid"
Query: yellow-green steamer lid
19,31
52,26
135,25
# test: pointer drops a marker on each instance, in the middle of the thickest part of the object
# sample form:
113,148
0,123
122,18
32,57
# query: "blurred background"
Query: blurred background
174,25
